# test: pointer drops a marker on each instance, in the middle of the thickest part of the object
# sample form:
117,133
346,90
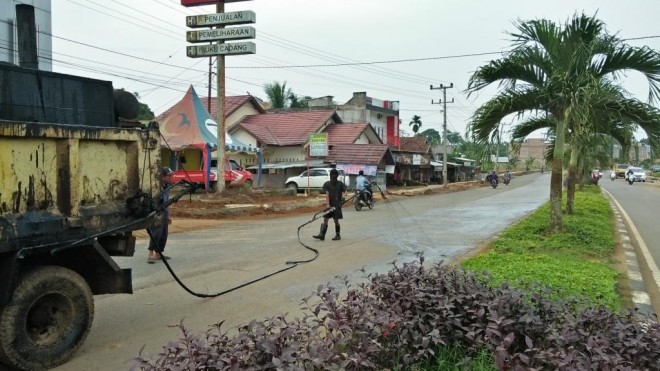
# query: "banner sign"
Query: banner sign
369,170
318,144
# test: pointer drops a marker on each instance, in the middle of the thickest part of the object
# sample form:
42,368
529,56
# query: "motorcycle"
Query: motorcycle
492,181
612,176
507,180
363,198
630,178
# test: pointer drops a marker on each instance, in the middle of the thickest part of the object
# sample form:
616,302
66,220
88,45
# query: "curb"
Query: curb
640,285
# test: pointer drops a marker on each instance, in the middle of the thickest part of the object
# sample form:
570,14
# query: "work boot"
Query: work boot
321,235
337,236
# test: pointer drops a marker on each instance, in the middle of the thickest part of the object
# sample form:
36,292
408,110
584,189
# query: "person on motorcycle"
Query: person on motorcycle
507,177
363,185
493,176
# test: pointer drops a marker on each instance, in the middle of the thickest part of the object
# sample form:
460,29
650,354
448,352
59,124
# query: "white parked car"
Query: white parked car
638,172
314,178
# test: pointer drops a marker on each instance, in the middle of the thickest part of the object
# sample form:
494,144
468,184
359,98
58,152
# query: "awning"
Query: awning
439,164
286,165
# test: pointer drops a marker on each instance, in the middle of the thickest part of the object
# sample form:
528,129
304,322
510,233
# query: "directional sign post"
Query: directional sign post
219,20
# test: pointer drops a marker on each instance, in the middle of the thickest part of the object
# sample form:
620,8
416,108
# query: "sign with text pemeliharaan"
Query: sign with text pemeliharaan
234,33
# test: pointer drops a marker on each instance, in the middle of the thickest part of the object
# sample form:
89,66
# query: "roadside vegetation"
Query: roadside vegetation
576,263
534,300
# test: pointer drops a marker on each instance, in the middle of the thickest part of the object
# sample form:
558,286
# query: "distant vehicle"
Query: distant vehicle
235,175
313,178
655,168
638,172
620,170
597,173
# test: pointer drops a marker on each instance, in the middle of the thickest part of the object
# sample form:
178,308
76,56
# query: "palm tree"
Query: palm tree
416,123
277,94
558,70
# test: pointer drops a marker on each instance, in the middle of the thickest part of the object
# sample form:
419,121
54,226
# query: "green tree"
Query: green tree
145,113
416,123
432,136
559,70
277,94
454,138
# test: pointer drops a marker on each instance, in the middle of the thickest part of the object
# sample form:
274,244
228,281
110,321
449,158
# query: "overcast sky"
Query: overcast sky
140,46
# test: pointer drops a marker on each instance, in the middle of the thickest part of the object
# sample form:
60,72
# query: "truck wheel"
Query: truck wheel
247,184
47,319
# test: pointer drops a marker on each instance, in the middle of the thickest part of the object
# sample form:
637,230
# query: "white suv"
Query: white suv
313,178
638,172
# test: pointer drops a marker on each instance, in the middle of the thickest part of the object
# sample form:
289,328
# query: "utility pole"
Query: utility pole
220,114
444,128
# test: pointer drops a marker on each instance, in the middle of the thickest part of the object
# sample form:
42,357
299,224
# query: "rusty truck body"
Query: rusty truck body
78,174
69,198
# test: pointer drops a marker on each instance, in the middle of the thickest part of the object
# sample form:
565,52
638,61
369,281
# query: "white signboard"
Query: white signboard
417,159
318,144
199,51
233,33
219,19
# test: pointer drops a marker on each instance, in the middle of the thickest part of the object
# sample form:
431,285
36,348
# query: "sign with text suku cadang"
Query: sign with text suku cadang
198,51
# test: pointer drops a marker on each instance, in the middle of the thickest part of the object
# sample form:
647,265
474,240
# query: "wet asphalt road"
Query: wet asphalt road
441,226
641,204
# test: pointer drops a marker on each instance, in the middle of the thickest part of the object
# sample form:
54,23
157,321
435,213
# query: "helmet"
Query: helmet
361,172
166,171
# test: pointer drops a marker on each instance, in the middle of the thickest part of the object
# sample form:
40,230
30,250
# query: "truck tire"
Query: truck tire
47,319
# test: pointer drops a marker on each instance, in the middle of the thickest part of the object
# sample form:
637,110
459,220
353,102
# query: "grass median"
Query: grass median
578,262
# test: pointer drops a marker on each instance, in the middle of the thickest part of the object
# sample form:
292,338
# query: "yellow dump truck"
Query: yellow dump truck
76,179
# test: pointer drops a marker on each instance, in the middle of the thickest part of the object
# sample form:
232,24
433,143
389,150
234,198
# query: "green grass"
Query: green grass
454,358
575,263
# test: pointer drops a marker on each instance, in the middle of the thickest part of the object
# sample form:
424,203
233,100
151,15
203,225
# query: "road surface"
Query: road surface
442,226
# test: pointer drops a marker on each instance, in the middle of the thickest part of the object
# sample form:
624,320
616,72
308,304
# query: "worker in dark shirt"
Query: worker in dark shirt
335,193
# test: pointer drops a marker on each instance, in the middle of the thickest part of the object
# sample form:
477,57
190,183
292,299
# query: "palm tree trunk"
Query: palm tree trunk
556,223
570,184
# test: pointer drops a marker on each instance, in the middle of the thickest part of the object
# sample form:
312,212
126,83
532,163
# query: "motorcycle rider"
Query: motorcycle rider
363,186
612,175
492,176
628,175
507,177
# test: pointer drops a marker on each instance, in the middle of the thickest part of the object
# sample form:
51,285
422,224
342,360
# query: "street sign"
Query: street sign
198,51
318,144
233,33
205,2
219,19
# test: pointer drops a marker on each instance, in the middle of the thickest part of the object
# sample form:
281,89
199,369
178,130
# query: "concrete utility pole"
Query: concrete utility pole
444,129
220,114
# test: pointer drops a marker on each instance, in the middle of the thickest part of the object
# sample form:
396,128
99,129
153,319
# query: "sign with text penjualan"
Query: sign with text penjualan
219,19
206,2
199,51
234,33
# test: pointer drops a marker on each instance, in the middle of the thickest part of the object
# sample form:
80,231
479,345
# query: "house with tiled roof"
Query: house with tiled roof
413,160
283,137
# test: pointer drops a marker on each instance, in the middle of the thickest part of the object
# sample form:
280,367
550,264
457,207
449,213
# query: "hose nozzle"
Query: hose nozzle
328,212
